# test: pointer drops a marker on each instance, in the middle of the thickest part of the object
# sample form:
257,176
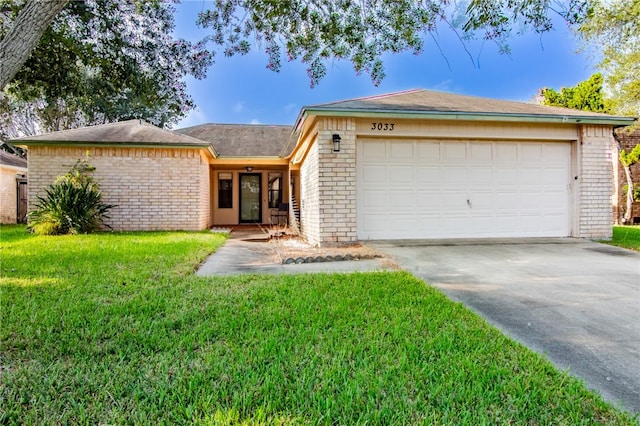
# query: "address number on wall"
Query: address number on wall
383,126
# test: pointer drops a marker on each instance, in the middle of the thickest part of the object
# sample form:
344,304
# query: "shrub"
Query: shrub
72,205
636,191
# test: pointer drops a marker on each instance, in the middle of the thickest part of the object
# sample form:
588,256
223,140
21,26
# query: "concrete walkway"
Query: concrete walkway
577,302
247,252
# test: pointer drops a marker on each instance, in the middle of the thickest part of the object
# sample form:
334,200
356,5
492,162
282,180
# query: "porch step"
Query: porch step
296,209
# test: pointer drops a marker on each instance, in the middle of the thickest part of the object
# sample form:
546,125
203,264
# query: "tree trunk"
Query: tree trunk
24,35
627,212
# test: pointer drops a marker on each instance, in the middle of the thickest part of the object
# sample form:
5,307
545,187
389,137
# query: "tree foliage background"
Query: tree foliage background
586,96
316,32
612,32
102,61
109,60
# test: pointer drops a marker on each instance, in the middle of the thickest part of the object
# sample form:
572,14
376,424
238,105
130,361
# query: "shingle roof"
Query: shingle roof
8,159
244,140
426,101
131,132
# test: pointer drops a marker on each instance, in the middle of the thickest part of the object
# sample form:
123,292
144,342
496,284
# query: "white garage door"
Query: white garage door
409,189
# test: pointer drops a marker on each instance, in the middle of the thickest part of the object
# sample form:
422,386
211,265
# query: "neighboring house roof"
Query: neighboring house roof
12,160
244,140
418,102
128,133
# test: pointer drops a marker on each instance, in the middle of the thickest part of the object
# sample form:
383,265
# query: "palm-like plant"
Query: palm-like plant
72,205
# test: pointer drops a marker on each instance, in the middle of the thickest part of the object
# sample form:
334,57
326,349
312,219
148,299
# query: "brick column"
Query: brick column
596,182
337,182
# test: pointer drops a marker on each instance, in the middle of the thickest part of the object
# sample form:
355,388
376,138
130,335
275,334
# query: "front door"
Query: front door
250,198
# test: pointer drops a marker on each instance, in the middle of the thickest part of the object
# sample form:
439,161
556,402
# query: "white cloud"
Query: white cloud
238,107
255,121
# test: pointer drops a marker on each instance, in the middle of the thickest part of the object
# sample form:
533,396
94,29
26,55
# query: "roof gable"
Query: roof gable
244,140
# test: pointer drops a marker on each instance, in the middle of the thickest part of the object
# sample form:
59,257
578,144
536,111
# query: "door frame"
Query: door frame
241,175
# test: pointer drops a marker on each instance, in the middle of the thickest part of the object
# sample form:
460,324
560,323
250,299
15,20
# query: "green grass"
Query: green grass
626,236
114,329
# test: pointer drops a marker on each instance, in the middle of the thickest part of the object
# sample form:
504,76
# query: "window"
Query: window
225,190
275,190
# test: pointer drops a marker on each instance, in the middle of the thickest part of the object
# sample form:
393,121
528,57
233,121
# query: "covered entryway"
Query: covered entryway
411,189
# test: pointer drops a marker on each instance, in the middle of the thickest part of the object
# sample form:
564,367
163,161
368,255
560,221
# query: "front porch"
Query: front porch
264,195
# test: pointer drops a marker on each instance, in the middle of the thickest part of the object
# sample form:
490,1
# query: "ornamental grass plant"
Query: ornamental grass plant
71,205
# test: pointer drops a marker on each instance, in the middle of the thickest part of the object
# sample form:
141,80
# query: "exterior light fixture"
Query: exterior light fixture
249,169
336,142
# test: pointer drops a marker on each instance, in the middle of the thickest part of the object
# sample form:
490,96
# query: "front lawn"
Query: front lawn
626,236
114,329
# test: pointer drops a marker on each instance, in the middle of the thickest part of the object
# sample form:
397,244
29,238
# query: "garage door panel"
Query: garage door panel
552,223
426,201
529,201
403,224
480,176
453,176
399,176
374,199
429,175
530,223
530,177
506,153
553,176
401,201
509,224
373,150
427,189
481,153
428,151
454,225
400,151
482,201
555,200
504,201
482,225
453,202
372,223
530,153
555,152
454,151
374,174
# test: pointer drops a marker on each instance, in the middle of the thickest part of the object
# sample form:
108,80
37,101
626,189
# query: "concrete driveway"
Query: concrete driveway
575,301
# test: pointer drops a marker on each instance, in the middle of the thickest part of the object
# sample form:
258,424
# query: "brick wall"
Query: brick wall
595,182
153,188
204,195
310,197
8,195
628,140
337,182
328,185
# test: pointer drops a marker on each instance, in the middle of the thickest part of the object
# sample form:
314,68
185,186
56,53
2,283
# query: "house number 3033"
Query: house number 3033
383,126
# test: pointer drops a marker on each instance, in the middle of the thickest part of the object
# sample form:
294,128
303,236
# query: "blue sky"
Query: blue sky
241,90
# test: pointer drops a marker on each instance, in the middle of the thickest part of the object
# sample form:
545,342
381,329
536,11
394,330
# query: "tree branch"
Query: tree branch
24,35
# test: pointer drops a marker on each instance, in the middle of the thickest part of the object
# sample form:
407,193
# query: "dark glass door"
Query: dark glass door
250,198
